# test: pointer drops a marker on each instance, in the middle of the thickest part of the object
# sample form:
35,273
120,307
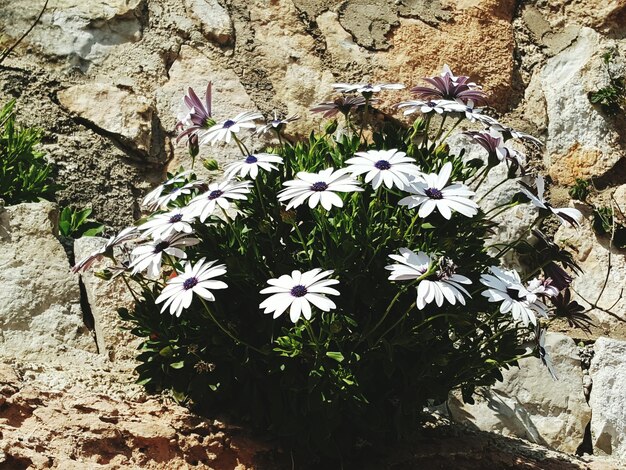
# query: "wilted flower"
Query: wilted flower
251,164
149,256
225,130
197,117
540,338
506,287
297,292
198,279
276,124
318,188
566,214
163,225
542,287
218,194
497,150
430,193
343,105
125,235
366,88
442,283
391,167
508,132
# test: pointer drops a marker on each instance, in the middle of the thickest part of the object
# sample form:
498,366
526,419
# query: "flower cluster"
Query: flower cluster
308,227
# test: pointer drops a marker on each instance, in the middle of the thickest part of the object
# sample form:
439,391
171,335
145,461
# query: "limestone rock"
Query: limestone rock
592,254
114,110
104,298
83,32
214,20
40,311
608,397
529,404
581,142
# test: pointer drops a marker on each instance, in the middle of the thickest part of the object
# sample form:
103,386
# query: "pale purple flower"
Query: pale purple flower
438,283
297,292
224,131
565,214
251,164
197,117
508,133
218,195
388,167
505,286
448,87
150,256
197,279
497,150
318,188
276,124
430,192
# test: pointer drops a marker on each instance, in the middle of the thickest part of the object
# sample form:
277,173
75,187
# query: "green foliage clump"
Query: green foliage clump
75,223
24,170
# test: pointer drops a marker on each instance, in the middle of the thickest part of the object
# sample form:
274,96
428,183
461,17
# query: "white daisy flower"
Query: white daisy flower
430,193
129,233
276,124
150,202
567,215
225,130
198,279
219,194
318,188
391,167
297,292
164,200
366,87
150,256
251,164
442,284
505,286
161,226
425,107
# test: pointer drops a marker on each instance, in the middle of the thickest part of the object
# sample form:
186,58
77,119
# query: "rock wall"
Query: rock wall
104,80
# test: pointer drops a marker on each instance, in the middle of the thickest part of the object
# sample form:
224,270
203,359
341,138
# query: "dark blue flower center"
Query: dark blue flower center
298,291
319,186
228,124
251,159
176,218
515,294
215,194
190,283
431,104
434,193
382,165
159,247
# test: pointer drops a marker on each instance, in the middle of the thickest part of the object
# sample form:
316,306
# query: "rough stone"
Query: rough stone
40,311
530,404
82,32
608,397
115,111
214,20
592,254
369,22
581,142
104,298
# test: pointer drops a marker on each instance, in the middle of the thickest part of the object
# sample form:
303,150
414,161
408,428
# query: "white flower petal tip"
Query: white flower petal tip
297,292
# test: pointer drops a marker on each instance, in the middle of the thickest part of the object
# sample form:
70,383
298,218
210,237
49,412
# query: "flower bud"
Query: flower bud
210,164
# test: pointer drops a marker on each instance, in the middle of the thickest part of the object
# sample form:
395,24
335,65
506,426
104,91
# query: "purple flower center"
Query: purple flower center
382,165
228,124
190,283
215,194
431,104
434,193
251,159
298,291
159,247
319,186
176,218
515,294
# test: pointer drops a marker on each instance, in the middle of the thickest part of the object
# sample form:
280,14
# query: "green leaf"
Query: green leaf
167,351
177,365
337,356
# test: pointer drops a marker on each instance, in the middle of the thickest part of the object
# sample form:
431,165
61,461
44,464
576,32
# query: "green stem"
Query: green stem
229,222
